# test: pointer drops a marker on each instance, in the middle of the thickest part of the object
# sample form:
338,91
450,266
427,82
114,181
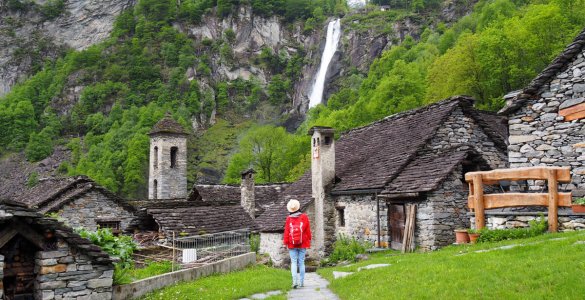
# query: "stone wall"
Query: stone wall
1,277
444,210
139,288
271,244
361,218
92,206
171,182
507,220
539,136
67,274
461,129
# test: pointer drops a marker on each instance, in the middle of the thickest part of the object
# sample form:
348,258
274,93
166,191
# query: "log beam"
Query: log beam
519,199
563,174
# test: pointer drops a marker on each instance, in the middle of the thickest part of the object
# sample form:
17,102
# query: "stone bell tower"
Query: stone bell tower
168,160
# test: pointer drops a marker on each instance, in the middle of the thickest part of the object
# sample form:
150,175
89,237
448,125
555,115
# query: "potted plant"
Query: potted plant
473,235
578,205
461,236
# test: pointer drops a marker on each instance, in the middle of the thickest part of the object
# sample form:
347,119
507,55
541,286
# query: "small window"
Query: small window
327,140
174,151
156,157
155,189
341,215
113,225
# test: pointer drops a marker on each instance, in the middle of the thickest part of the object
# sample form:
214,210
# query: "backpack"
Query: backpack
296,231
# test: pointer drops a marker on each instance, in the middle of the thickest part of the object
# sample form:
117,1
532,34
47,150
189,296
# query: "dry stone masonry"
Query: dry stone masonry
44,259
540,136
94,207
65,274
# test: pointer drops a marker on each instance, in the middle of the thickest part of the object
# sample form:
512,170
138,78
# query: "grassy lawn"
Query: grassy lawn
545,267
233,285
151,269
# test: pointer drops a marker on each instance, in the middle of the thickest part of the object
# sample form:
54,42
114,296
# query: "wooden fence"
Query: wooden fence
479,202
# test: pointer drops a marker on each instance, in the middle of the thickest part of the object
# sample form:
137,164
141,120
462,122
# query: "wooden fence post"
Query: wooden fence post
478,195
553,200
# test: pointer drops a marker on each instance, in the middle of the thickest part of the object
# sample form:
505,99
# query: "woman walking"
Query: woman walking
297,237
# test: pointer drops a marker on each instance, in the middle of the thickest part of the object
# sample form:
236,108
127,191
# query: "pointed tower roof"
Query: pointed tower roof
168,125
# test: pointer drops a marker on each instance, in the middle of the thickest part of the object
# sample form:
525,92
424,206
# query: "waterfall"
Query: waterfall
333,35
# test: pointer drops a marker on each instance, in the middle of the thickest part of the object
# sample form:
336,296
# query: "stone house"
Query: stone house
359,185
547,128
80,202
41,258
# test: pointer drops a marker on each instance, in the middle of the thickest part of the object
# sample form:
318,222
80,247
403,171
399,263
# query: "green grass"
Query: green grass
551,266
235,285
150,270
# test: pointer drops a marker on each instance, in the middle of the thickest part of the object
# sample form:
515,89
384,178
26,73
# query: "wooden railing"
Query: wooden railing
479,202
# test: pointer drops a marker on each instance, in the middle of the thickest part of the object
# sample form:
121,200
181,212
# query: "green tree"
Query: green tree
271,151
40,146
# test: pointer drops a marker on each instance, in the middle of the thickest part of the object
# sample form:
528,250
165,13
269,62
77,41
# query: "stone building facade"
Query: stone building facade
546,119
96,209
42,258
168,160
79,202
547,128
382,167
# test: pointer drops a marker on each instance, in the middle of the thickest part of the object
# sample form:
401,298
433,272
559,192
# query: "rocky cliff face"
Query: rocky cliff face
254,33
33,32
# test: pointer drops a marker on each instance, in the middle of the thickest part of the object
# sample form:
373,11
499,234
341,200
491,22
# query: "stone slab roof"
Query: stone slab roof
197,220
426,172
274,215
371,157
52,193
215,194
10,210
223,194
168,125
556,66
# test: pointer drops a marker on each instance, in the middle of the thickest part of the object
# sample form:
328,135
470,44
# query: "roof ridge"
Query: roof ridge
410,112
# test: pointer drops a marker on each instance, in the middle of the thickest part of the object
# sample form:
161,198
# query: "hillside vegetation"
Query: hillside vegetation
496,49
102,101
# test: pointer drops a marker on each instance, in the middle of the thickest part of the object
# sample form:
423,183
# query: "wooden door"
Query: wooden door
396,221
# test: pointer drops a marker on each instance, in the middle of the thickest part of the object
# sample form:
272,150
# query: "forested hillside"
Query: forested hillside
496,49
231,72
101,102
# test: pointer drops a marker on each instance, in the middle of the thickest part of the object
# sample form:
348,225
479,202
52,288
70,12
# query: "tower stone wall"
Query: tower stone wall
168,160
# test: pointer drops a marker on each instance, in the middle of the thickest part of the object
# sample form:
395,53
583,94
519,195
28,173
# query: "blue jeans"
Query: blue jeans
297,259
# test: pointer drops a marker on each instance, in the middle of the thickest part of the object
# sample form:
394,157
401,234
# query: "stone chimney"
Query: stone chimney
247,187
323,175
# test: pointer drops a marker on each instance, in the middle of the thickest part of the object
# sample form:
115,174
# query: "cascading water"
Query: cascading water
333,35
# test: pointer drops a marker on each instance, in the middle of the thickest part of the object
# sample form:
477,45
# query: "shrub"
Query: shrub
52,9
537,227
119,247
33,179
346,248
255,242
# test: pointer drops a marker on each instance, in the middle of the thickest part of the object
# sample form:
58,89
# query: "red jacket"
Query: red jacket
306,231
